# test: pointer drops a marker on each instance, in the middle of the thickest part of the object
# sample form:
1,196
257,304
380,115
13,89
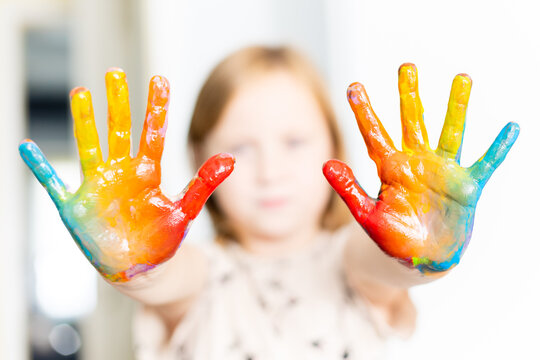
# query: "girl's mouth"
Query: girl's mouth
272,203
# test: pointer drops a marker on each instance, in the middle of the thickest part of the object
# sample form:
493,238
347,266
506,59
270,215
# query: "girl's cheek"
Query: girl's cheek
235,191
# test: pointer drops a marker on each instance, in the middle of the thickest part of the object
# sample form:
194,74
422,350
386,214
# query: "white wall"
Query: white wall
488,305
12,302
15,17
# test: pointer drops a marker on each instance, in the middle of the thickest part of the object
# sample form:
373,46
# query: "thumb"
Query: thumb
210,175
342,179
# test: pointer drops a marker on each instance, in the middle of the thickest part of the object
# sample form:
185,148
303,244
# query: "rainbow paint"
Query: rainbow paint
424,212
119,217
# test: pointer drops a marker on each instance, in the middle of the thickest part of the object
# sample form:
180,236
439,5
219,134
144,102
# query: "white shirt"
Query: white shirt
297,306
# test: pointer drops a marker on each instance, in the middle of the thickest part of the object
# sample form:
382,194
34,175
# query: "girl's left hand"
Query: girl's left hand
424,213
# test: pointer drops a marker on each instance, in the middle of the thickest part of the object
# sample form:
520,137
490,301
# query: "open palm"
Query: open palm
119,217
424,213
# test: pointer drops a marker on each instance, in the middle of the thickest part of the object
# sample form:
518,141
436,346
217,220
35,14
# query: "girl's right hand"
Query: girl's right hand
119,217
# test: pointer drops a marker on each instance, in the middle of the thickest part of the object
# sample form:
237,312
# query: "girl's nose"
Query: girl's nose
271,165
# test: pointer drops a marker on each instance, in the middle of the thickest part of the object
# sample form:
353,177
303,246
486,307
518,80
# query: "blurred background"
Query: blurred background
52,303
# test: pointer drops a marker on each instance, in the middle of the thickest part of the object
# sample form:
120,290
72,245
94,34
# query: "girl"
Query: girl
290,276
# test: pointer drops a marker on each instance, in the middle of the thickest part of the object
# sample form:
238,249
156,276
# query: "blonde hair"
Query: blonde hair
239,67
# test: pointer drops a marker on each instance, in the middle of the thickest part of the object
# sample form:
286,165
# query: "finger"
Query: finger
119,114
210,175
85,130
342,179
482,169
155,123
378,143
412,112
454,124
43,171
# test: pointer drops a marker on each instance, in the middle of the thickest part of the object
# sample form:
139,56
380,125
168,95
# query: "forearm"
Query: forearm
383,281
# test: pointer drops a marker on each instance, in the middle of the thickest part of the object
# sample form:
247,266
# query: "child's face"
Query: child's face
275,128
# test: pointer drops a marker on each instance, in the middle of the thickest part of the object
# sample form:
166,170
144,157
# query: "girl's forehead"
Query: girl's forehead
272,101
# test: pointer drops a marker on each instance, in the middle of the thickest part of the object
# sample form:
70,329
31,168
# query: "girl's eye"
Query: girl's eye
240,149
295,142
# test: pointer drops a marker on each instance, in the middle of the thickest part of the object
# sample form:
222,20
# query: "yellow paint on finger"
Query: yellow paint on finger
119,113
85,129
414,131
452,133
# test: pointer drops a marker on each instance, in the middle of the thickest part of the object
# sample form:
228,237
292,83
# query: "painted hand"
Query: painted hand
424,213
119,217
